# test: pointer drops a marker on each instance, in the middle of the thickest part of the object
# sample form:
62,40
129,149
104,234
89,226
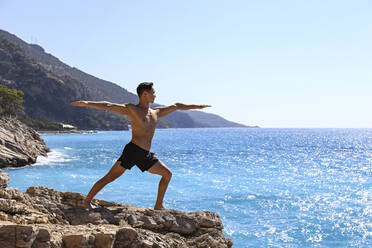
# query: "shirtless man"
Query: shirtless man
137,151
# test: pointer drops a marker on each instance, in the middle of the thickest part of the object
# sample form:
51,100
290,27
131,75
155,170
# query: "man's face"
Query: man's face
150,95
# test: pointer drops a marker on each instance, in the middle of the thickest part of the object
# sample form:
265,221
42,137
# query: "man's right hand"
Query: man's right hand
79,103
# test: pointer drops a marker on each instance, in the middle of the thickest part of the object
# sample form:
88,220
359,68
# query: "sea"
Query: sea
271,187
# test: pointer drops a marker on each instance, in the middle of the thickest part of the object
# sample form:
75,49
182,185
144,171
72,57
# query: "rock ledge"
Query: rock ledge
43,217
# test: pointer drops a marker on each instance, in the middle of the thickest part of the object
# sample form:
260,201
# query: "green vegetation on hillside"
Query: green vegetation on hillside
10,101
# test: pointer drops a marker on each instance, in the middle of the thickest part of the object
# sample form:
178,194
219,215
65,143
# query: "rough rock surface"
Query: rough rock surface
42,217
19,144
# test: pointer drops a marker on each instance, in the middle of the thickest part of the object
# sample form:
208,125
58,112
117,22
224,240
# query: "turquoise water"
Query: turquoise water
271,187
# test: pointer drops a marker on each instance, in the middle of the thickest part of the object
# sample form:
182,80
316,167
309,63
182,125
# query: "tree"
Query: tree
10,100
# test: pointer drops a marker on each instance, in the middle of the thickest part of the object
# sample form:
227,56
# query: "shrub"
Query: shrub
10,100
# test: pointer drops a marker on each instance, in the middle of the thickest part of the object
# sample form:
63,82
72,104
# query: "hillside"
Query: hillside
84,86
47,96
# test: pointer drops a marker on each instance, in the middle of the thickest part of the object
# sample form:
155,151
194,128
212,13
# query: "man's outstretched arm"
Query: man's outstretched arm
117,108
163,111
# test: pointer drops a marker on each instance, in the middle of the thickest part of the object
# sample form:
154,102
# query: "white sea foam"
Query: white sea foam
229,231
53,158
250,197
75,175
67,148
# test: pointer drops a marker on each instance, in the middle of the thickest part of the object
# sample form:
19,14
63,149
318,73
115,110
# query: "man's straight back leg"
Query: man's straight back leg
116,171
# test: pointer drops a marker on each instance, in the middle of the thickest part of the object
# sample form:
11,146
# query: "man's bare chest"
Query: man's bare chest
149,119
146,118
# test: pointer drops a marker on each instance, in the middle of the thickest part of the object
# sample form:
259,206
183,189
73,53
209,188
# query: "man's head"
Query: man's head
146,91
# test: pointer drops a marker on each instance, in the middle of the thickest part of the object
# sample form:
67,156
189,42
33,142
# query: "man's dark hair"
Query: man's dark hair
144,86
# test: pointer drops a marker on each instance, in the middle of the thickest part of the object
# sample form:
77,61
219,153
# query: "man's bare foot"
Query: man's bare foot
159,207
88,205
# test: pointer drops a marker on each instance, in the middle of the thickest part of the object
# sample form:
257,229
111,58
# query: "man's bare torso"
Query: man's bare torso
143,125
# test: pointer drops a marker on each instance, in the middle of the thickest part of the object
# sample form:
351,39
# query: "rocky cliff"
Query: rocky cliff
19,144
42,217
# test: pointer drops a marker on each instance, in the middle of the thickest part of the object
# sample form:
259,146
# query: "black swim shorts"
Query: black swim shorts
135,155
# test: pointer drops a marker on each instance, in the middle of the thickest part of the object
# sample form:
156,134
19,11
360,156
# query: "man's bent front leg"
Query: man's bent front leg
116,171
160,169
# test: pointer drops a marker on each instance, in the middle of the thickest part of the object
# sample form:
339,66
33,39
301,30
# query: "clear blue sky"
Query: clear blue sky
268,63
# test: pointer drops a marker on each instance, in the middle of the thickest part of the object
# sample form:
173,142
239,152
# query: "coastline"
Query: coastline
66,131
159,128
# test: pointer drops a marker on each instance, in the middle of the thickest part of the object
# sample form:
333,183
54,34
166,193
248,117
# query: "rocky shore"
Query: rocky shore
42,217
19,144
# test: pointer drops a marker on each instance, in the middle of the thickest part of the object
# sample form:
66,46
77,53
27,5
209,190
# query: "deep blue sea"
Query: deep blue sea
271,187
